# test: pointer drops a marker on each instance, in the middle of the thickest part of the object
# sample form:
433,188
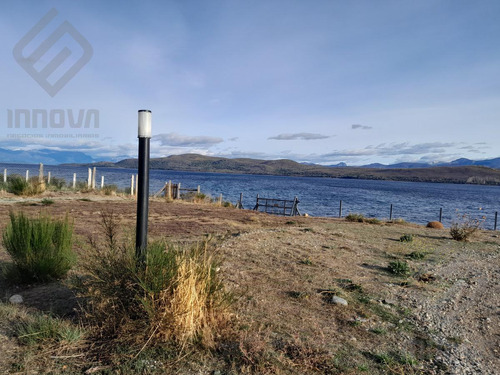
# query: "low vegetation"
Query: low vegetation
359,218
40,247
176,297
465,226
18,185
406,238
109,189
56,184
399,268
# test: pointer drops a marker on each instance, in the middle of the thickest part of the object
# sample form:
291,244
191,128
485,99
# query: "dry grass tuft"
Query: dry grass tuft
193,304
176,297
435,225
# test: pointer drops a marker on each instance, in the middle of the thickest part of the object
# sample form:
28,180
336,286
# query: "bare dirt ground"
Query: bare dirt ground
442,318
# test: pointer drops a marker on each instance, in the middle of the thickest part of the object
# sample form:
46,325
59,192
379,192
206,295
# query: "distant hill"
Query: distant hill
198,163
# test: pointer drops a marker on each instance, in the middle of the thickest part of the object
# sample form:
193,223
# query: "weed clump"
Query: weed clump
47,201
109,189
464,227
56,183
406,238
355,218
399,268
417,255
40,247
175,296
19,186
359,218
40,328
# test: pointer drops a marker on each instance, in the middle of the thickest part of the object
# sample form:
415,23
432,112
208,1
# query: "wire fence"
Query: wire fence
125,181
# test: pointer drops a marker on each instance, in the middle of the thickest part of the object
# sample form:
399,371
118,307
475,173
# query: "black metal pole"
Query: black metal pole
496,219
441,214
340,209
390,214
141,240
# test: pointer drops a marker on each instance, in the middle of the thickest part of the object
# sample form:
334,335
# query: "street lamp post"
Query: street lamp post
144,135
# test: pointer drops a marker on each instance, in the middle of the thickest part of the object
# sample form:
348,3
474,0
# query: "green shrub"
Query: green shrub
16,185
399,268
417,255
464,227
47,201
406,238
176,296
19,186
40,247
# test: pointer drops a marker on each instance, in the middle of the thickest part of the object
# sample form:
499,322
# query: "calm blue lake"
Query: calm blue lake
412,201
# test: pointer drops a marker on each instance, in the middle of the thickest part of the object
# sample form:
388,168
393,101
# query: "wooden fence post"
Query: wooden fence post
27,175
5,175
136,184
198,190
168,193
48,178
256,208
93,177
74,180
240,202
102,182
220,200
178,191
40,173
89,179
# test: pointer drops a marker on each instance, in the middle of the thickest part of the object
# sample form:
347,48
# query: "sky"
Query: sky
313,81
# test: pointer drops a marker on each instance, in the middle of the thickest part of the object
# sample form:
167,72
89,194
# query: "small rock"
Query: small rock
339,301
360,320
16,299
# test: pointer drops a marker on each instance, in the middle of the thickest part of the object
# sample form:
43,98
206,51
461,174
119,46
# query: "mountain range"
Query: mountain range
459,171
490,163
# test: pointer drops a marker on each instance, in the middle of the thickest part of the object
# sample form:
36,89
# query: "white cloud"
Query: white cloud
299,136
174,139
362,127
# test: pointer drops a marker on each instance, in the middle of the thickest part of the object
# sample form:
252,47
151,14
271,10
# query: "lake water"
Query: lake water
412,201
